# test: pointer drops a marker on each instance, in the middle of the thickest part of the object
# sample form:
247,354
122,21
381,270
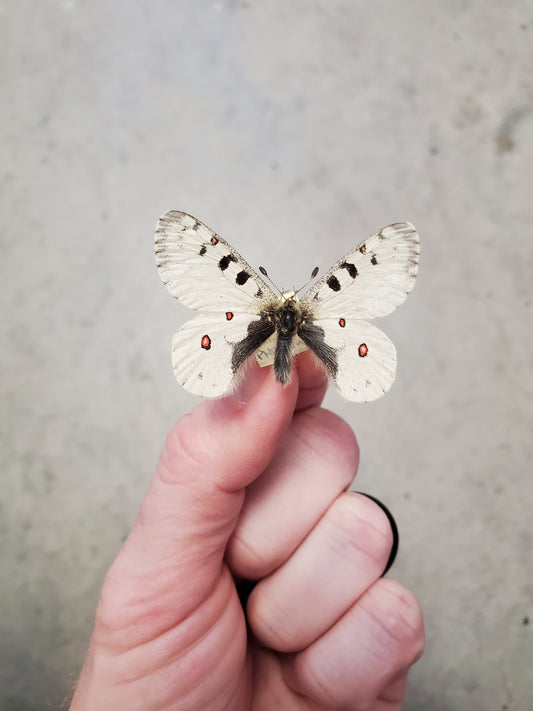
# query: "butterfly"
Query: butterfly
240,314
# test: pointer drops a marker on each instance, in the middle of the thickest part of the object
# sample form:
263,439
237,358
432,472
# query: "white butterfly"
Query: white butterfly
241,315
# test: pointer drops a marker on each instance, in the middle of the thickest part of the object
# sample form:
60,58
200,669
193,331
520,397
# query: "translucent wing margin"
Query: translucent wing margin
372,279
202,270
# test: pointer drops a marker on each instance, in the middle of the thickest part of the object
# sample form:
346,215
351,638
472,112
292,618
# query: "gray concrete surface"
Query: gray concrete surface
273,123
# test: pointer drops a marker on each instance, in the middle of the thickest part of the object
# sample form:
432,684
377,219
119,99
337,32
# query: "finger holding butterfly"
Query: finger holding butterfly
168,606
298,521
294,481
312,381
315,462
169,630
318,553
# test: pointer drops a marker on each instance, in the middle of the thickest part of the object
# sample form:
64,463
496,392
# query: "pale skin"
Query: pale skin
254,486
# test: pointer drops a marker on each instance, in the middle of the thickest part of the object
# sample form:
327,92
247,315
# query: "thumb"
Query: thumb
173,555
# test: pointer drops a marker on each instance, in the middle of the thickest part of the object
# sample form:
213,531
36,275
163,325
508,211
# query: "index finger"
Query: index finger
312,379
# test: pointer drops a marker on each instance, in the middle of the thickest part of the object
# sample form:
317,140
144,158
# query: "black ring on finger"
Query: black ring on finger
394,527
245,587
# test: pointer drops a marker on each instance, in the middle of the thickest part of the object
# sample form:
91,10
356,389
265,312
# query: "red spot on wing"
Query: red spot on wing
362,248
206,342
214,240
229,315
363,350
342,323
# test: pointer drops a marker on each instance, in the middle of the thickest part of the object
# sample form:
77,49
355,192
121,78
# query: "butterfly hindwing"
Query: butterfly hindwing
372,279
362,359
208,350
202,270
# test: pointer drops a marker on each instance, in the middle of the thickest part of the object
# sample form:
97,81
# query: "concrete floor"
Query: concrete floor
275,123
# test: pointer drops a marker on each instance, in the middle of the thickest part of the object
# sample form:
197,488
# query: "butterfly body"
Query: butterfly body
240,315
287,318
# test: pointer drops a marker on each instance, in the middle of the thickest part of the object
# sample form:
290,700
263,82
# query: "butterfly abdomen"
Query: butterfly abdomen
282,358
287,318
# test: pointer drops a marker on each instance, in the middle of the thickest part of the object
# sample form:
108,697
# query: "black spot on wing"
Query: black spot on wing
242,278
333,283
350,268
225,261
257,333
374,260
313,337
203,250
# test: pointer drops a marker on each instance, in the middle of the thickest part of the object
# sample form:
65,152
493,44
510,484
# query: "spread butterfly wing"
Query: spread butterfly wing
358,355
372,279
205,273
208,350
202,270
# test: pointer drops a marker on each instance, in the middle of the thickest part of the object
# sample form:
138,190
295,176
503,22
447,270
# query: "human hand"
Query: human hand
254,490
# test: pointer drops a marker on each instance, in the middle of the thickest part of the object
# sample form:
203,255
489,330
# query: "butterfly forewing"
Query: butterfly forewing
372,279
202,270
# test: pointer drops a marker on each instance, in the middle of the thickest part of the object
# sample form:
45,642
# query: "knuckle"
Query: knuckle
265,622
179,445
248,559
401,619
341,457
189,447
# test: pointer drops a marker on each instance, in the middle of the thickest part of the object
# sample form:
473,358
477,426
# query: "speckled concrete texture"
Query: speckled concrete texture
294,130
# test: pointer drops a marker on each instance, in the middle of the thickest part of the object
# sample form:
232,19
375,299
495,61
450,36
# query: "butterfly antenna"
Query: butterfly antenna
313,275
265,274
